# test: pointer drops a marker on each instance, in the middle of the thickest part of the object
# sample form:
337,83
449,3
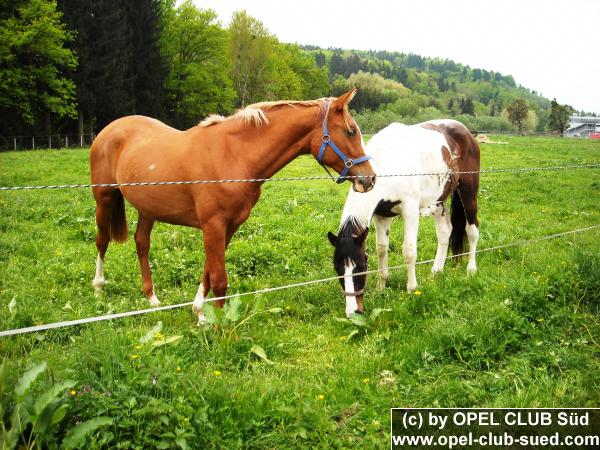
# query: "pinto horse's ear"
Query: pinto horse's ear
361,238
332,238
341,102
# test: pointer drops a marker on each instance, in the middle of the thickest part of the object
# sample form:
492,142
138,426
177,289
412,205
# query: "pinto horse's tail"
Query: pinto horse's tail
459,224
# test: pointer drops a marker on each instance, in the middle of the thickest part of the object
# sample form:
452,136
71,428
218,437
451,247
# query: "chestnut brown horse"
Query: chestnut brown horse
253,143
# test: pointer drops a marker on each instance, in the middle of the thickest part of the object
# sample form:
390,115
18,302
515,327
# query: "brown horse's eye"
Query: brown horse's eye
351,132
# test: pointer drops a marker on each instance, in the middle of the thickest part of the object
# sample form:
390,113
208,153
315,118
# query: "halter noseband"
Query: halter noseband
326,141
354,294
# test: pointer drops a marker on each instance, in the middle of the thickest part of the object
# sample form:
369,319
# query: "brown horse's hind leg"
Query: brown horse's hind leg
105,201
142,245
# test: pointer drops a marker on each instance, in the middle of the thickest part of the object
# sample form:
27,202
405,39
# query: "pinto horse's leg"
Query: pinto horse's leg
410,215
142,245
382,226
443,229
468,194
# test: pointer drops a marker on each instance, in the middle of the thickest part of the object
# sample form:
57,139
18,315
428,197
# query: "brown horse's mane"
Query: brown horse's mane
255,114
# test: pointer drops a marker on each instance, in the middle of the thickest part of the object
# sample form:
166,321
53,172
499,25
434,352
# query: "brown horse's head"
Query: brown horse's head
339,145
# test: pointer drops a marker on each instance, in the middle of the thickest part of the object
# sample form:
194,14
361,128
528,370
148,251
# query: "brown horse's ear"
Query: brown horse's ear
332,238
344,99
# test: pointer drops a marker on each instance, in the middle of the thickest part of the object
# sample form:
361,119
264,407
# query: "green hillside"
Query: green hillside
427,88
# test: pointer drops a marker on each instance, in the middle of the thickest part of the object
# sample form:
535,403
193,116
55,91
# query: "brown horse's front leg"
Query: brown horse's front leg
215,237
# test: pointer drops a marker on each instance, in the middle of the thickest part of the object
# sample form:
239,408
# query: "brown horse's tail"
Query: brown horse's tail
118,222
459,224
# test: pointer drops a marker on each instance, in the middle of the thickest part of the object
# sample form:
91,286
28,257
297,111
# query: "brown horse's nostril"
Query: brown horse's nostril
368,183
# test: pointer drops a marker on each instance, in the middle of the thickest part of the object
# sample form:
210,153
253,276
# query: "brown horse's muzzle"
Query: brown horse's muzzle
363,183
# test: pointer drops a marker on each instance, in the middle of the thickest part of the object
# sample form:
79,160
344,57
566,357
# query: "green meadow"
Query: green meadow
287,369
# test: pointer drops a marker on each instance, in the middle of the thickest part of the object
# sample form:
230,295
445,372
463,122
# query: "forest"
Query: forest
73,66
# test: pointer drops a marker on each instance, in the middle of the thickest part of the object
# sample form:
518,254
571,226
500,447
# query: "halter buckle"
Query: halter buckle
348,163
326,138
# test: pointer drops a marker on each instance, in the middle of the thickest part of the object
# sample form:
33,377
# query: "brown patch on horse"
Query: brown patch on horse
462,156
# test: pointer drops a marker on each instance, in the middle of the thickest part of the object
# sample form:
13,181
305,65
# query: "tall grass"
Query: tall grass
525,331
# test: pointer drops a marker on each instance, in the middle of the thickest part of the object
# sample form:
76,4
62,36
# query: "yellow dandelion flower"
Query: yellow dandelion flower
321,397
178,369
417,292
217,373
342,338
134,356
365,380
287,308
137,347
73,392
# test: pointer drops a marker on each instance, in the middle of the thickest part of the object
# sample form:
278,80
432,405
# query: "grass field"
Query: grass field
285,369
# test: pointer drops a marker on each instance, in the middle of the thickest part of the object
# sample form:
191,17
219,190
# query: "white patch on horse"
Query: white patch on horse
351,305
154,301
99,280
473,236
197,305
152,167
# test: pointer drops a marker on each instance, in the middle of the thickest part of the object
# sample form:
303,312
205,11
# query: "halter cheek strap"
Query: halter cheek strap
326,141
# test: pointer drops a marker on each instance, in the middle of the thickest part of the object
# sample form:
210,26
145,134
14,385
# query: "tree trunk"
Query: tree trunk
80,122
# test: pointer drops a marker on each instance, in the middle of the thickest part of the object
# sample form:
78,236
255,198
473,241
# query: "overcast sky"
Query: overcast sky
551,46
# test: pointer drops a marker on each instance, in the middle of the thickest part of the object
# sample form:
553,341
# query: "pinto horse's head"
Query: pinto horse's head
339,145
349,261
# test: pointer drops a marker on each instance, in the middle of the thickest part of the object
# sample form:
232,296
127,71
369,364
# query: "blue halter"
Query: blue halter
327,141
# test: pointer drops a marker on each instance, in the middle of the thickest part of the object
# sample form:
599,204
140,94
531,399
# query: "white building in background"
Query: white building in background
584,127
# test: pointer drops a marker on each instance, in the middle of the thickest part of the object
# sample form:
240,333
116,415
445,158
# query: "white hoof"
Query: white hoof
436,269
471,270
411,288
98,284
154,301
201,318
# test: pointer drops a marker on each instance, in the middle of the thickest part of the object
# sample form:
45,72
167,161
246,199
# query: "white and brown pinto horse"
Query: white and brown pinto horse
441,147
254,143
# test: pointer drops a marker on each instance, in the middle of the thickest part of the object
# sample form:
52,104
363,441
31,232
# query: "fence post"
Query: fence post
33,142
81,140
50,141
67,141
15,142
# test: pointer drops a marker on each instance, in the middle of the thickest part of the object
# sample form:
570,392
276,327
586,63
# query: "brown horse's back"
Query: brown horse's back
141,149
116,137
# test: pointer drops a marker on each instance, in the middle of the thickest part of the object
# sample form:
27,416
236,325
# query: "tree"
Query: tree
314,82
148,68
517,112
252,49
195,47
559,117
264,69
33,58
118,48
